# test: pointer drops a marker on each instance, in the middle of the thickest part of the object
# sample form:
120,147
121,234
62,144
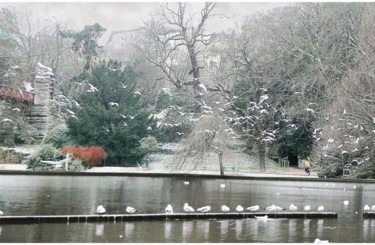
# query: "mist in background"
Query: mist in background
115,16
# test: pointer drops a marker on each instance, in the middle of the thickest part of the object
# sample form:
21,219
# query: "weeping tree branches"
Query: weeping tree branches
209,134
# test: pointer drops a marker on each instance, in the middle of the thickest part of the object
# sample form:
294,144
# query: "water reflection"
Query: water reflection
99,229
187,228
238,228
319,227
366,227
129,229
224,224
292,228
306,227
167,230
203,228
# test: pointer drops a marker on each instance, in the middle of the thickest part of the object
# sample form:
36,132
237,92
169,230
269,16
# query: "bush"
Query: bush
331,170
149,144
365,172
47,153
89,156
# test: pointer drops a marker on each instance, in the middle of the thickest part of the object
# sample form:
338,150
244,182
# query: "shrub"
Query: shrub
47,153
90,156
365,172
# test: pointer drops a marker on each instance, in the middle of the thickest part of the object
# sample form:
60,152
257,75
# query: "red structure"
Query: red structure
16,95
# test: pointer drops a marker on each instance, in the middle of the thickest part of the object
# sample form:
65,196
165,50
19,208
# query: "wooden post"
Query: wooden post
66,161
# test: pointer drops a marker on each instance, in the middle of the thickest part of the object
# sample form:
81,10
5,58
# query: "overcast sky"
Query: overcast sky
129,15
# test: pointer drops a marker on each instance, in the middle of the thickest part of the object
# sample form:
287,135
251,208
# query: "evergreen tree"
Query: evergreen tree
109,114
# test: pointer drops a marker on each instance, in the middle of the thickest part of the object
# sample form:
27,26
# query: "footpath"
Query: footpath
289,173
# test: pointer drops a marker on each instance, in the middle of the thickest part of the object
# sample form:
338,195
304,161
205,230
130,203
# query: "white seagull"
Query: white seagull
292,207
366,207
92,88
100,209
346,202
307,208
113,104
169,209
373,207
130,210
239,208
253,208
1,213
7,120
320,209
204,209
225,208
188,208
274,208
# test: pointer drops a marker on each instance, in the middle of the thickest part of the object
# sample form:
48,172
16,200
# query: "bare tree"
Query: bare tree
348,125
174,44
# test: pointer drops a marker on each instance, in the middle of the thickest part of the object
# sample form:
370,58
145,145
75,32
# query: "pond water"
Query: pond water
67,195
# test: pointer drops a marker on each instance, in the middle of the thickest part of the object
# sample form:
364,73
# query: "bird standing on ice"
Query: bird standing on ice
225,208
292,207
100,209
204,209
169,209
307,208
253,208
239,208
130,210
320,208
366,207
188,208
346,202
273,207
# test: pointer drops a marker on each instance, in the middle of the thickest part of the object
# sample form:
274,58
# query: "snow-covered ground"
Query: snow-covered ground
13,166
235,162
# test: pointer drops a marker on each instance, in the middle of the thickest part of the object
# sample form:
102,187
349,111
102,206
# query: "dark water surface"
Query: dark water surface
46,195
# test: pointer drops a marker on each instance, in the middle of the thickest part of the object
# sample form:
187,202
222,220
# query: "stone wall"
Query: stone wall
40,114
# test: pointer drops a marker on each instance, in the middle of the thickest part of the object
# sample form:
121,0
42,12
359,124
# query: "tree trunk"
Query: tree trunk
221,163
198,102
262,158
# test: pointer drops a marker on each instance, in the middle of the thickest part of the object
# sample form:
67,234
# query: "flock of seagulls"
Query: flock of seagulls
224,208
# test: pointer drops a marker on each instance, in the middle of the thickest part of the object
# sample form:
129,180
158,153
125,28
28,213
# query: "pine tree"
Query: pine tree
109,113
